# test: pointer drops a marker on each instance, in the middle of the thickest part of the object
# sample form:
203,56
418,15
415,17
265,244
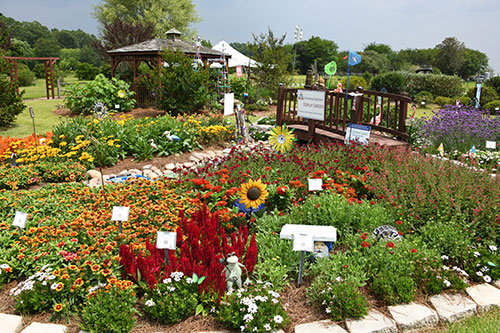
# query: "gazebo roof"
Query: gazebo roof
157,45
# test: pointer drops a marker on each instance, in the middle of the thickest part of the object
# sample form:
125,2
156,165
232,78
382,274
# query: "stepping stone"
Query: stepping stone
226,151
10,323
45,328
413,316
485,295
451,308
374,322
322,326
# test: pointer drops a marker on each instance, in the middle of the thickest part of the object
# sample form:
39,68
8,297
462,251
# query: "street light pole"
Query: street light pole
297,36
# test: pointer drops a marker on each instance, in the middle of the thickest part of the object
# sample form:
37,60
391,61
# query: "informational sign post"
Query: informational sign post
167,241
315,184
311,104
357,133
228,104
120,214
491,144
20,221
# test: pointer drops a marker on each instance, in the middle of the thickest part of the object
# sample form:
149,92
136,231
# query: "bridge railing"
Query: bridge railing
384,112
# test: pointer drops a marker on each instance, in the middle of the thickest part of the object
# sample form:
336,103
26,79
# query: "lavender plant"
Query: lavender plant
460,127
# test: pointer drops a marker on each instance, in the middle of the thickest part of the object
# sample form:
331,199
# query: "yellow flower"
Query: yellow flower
111,143
253,193
281,138
63,143
58,307
121,93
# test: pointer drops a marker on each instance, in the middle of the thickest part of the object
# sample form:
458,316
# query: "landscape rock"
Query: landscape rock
497,283
45,328
10,323
93,174
135,172
485,295
147,167
156,170
187,165
106,178
193,159
226,151
374,322
219,152
94,182
413,316
199,156
210,153
322,326
124,173
170,166
451,308
150,174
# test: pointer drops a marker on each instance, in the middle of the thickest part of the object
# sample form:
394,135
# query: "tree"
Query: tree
418,57
272,60
65,38
379,48
450,55
47,47
162,14
475,62
5,36
373,62
315,50
11,104
20,48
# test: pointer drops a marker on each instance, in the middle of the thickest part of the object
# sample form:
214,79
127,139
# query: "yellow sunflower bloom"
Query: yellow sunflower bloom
281,138
253,193
121,93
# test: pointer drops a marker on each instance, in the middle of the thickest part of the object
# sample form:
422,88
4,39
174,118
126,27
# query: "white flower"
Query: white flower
150,302
479,273
168,280
493,247
278,319
477,254
4,266
189,280
274,301
252,308
327,310
338,279
267,327
54,286
485,269
248,317
487,278
447,283
177,276
446,267
445,257
51,277
242,328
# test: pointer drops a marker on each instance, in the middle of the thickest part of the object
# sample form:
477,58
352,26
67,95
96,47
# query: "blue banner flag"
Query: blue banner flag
354,58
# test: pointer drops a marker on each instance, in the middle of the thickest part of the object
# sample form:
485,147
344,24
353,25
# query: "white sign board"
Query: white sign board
20,219
120,213
491,144
117,106
319,232
303,242
357,133
166,240
315,184
228,104
311,104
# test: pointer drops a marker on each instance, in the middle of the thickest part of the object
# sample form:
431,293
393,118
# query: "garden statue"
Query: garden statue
386,232
233,271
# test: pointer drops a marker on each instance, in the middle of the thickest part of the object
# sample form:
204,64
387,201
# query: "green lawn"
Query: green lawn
45,119
485,323
38,90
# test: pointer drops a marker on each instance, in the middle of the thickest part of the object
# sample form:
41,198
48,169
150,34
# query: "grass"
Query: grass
486,323
38,90
45,119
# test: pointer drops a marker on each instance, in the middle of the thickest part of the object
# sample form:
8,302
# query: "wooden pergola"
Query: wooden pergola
150,53
49,71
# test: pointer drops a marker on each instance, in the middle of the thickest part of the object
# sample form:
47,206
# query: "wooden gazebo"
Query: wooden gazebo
150,53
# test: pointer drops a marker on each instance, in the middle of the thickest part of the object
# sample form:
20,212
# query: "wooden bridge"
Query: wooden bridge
362,108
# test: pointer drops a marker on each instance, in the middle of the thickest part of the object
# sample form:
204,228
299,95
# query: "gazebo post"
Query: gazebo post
52,77
47,79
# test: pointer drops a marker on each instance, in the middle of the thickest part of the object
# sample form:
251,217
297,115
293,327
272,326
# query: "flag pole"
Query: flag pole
347,88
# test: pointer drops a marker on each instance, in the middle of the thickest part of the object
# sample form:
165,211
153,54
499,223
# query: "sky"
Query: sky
351,24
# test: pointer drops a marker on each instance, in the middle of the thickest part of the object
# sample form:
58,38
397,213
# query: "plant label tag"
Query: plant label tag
491,144
120,213
303,242
20,219
166,240
315,184
228,104
117,106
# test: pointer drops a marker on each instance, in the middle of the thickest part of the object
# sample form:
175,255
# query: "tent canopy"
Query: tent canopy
237,58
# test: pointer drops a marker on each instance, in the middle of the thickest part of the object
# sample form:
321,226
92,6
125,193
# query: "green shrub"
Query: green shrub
183,88
493,106
464,100
81,99
394,82
60,172
488,94
482,262
85,71
109,311
436,84
494,82
11,104
25,76
354,83
423,96
446,238
441,101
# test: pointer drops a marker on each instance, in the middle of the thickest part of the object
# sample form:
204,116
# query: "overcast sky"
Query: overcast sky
351,24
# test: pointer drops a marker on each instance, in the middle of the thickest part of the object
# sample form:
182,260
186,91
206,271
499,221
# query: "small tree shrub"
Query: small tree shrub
436,84
354,83
11,104
493,106
488,94
25,76
494,82
85,71
423,96
394,82
112,93
442,101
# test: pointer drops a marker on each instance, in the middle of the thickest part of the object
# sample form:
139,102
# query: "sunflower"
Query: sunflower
253,193
121,93
281,138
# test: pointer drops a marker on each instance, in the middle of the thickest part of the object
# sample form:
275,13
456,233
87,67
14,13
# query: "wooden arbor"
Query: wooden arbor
49,71
150,53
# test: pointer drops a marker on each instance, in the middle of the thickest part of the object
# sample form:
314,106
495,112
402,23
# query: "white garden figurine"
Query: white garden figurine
233,272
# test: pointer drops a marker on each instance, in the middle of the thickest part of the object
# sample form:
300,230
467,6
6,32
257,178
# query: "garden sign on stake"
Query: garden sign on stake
304,236
20,221
32,115
167,241
120,214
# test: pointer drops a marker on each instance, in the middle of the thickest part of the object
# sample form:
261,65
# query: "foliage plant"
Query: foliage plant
254,308
18,177
493,106
482,262
109,310
11,103
173,299
113,93
63,171
488,94
494,82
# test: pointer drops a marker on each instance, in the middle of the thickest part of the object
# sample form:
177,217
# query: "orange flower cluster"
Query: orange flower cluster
10,145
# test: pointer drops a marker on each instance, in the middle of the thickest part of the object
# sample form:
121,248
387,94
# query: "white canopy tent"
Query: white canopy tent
237,58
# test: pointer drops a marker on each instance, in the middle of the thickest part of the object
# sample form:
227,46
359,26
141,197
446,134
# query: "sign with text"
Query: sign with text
491,144
303,242
357,133
166,240
239,71
120,213
20,219
319,232
315,184
228,104
311,104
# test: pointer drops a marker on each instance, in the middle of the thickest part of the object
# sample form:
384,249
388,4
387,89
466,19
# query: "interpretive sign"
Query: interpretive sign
166,240
357,133
315,184
311,104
